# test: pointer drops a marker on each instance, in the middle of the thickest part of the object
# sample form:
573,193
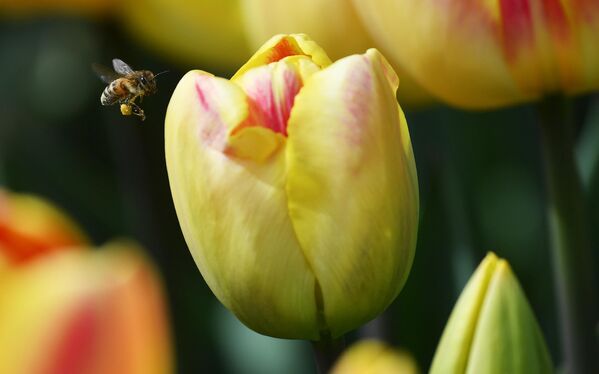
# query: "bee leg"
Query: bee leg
136,110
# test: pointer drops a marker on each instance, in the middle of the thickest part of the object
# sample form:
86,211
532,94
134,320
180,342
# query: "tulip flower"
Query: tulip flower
483,54
295,187
492,328
341,35
30,227
374,357
207,32
84,312
76,7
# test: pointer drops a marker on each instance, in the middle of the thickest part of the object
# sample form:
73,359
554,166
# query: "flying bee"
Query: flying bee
125,85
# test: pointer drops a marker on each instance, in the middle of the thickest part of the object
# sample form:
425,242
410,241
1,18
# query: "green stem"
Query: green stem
326,352
570,240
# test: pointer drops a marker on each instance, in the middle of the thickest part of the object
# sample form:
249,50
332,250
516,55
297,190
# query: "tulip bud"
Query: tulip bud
342,35
374,357
492,328
481,54
31,227
84,312
295,187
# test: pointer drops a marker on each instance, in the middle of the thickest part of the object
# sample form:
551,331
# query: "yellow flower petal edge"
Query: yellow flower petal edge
281,46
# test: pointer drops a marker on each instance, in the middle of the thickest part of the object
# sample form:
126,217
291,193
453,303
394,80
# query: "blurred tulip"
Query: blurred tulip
84,7
201,32
340,35
374,357
482,54
30,227
84,312
492,328
295,187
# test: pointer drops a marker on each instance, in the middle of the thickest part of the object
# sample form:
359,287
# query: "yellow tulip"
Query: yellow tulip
76,7
196,32
31,227
341,34
84,312
295,187
482,54
492,328
374,357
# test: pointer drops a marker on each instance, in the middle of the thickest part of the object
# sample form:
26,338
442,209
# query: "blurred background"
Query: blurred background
480,173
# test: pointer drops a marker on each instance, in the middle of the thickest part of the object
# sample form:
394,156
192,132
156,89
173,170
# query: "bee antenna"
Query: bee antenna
162,72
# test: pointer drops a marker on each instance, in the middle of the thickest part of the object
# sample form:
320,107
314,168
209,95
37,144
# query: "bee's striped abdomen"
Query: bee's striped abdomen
113,93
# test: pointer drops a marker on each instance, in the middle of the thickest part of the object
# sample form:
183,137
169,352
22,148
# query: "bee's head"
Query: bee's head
147,81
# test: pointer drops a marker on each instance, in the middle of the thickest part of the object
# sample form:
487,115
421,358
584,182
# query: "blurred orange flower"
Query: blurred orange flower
65,308
30,227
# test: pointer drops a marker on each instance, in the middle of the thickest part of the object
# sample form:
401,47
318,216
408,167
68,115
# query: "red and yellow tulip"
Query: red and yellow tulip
482,54
31,227
295,187
65,308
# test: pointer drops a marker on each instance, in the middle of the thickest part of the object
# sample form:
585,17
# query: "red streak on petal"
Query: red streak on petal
75,351
202,97
212,128
268,109
556,20
517,28
586,11
283,49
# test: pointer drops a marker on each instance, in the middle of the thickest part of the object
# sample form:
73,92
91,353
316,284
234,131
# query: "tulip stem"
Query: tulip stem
570,240
326,351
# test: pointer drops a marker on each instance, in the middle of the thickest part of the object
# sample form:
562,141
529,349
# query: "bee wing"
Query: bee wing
121,67
105,73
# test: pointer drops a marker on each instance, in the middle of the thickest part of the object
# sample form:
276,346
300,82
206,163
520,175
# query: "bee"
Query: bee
125,85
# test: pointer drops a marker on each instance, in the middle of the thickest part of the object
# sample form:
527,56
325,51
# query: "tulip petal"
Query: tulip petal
353,196
233,214
271,91
281,46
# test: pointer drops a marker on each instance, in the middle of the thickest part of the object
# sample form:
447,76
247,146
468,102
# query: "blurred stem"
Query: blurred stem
326,352
570,240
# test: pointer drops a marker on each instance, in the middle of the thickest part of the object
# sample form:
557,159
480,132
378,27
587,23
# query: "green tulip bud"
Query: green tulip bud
492,328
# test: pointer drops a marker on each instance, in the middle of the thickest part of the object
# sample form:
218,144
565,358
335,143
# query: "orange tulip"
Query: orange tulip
30,227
